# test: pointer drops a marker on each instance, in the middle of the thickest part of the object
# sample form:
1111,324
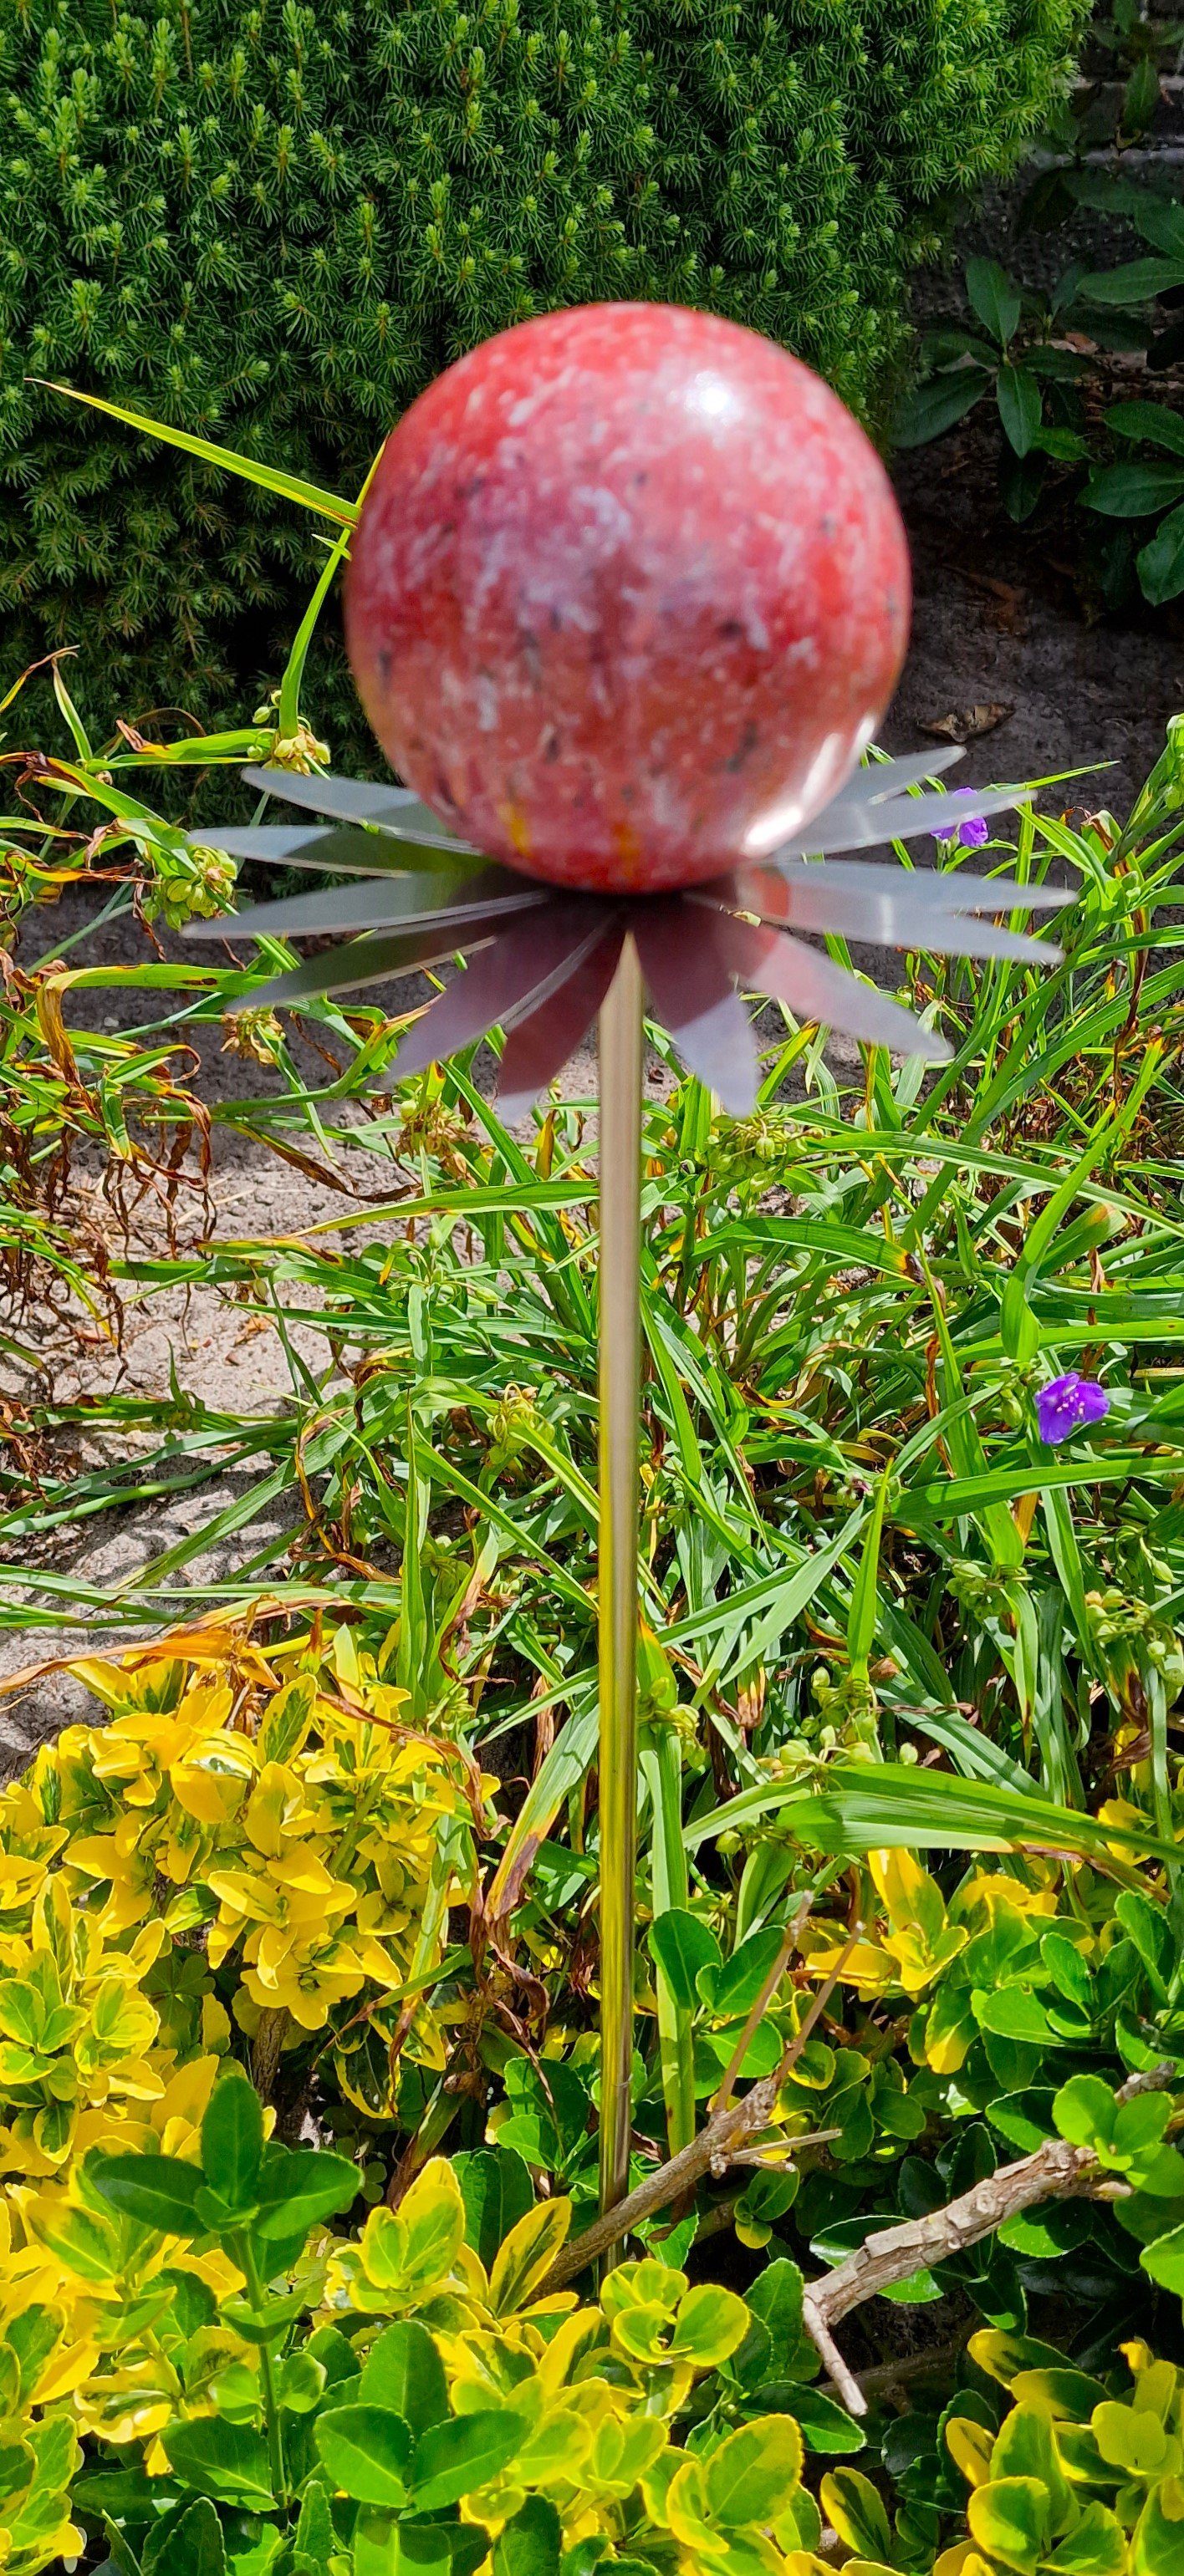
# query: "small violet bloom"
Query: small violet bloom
1068,1402
973,834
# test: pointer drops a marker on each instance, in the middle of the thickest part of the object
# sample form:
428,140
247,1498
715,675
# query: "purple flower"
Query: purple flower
1068,1402
973,834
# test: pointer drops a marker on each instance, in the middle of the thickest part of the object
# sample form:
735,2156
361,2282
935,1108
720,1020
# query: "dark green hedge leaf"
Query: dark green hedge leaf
682,1947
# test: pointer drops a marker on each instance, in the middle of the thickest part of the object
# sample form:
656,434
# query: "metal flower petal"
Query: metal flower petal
688,974
541,959
526,967
538,1047
377,904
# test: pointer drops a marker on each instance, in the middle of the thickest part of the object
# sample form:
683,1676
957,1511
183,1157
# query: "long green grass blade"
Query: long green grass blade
287,487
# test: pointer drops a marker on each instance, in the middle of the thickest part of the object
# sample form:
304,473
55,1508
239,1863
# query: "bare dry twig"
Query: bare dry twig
1054,2172
730,2126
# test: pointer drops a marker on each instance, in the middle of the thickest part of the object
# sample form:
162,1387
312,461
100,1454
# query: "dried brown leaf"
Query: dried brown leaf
965,724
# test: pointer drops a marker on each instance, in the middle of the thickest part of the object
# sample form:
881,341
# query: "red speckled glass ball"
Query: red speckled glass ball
628,596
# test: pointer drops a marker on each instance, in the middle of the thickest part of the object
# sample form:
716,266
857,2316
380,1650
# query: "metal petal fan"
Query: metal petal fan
540,955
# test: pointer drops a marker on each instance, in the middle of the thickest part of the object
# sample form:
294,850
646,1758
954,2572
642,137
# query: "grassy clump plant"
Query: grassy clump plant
299,2059
308,1838
276,226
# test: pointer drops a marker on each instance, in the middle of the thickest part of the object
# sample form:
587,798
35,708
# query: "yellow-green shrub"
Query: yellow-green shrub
258,1821
39,2448
372,2380
1074,2478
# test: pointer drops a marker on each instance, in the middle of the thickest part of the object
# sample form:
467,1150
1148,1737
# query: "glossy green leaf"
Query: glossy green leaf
1131,2439
1160,563
300,2383
122,2556
1010,2520
195,2546
1066,2392
315,2536
994,298
1025,2119
935,406
366,2452
776,2298
444,2548
225,2461
856,2509
1155,423
404,2374
127,2494
261,2554
827,2426
1164,2260
1095,2547
527,2254
454,2458
1134,491
1014,2012
264,2325
496,2189
683,1946
711,2323
530,2543
1157,2543
753,2472
732,1989
1002,2354
375,2550
1136,281
1025,2448
1020,407
299,2188
232,2139
158,2191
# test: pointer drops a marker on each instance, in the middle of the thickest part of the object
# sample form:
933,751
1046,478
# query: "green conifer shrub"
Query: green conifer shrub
273,223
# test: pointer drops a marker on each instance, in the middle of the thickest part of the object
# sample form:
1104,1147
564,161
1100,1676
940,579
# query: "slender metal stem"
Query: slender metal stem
620,1395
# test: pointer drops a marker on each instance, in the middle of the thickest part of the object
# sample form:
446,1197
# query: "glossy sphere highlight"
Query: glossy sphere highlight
628,596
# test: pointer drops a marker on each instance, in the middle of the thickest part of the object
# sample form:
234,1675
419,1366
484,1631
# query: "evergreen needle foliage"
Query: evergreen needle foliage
273,225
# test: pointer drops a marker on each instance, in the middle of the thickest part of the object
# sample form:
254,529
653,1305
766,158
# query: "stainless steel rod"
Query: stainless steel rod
620,1395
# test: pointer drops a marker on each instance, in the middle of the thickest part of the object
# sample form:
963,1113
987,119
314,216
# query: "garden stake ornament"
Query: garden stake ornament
626,601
